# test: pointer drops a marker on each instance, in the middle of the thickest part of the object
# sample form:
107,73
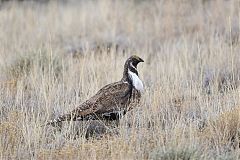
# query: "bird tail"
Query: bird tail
57,121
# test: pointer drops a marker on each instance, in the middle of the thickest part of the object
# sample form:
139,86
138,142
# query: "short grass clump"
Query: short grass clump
224,130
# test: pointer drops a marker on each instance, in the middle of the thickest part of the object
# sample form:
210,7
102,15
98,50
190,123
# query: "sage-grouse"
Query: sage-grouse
112,101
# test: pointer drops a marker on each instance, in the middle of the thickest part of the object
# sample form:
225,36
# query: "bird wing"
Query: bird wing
105,99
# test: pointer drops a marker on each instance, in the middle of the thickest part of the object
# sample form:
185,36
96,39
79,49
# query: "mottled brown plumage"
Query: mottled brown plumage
112,101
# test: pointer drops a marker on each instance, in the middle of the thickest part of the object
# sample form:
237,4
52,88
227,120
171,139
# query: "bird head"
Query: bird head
133,62
131,65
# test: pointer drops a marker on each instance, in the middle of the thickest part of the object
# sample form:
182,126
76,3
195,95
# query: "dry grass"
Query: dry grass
224,130
55,55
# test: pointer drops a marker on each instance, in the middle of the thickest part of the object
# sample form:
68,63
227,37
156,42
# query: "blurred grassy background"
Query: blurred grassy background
56,54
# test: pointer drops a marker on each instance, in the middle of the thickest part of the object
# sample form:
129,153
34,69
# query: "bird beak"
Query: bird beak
141,60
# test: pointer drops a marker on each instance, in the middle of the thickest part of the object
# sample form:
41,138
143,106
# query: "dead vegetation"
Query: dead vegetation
55,55
224,129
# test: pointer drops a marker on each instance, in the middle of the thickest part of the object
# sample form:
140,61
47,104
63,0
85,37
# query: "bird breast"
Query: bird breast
137,83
